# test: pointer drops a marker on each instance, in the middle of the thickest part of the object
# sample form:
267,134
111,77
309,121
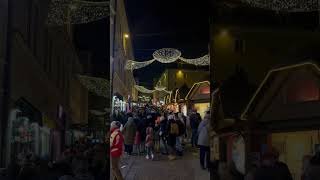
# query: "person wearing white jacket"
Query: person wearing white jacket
203,141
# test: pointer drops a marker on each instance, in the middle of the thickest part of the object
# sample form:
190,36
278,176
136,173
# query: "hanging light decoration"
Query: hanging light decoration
143,89
148,91
95,85
76,11
286,5
166,55
131,65
201,61
159,88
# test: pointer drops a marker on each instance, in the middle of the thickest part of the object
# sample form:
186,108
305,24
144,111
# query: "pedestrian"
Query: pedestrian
184,120
137,143
179,138
163,134
284,171
149,142
129,133
313,170
203,141
305,166
194,123
173,132
156,138
116,144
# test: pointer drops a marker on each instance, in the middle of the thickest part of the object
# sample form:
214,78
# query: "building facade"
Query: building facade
45,95
121,50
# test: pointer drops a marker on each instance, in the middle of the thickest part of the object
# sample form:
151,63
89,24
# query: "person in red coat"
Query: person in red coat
116,149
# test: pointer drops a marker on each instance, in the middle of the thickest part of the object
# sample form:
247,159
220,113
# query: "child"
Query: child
149,143
137,143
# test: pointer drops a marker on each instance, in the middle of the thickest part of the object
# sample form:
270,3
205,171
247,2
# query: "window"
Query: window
239,46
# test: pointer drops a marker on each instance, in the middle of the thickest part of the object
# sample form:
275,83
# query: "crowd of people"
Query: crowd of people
149,131
270,167
82,161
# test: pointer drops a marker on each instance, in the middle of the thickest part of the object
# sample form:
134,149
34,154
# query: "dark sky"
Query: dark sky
183,25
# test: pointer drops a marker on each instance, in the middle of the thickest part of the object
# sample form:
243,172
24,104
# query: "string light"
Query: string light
148,91
159,88
143,89
286,5
95,85
76,11
201,61
168,55
131,65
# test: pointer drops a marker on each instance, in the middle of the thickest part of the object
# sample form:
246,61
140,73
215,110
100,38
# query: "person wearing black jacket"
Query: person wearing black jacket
163,133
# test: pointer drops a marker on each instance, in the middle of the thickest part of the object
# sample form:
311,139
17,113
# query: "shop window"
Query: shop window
302,90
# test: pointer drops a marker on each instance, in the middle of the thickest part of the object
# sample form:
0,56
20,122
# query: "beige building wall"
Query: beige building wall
123,80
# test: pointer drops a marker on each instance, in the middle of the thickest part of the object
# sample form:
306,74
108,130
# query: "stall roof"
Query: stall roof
199,91
267,82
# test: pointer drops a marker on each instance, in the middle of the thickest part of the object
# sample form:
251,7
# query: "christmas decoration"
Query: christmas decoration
167,55
286,5
143,89
98,86
148,91
131,65
76,11
202,61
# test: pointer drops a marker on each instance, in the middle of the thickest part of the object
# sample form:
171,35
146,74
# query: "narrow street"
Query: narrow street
185,168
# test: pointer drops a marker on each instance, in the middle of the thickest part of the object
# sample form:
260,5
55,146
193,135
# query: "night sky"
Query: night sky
183,25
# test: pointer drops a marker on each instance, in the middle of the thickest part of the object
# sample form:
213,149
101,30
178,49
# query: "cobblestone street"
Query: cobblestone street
185,168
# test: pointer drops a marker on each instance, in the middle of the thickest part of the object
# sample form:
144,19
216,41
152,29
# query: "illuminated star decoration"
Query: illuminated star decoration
148,91
99,86
63,12
168,55
286,5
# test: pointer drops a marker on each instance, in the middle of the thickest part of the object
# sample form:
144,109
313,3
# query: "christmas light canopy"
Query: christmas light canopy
168,55
99,86
148,91
131,65
76,11
201,61
286,5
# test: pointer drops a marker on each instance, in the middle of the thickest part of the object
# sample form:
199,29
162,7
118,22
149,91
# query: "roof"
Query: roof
195,88
268,81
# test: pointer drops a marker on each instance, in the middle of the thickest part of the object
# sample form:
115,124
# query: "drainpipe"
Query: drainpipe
6,87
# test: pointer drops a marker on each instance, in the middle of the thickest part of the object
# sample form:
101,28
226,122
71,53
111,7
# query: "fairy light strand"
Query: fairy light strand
63,12
286,5
99,86
168,55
